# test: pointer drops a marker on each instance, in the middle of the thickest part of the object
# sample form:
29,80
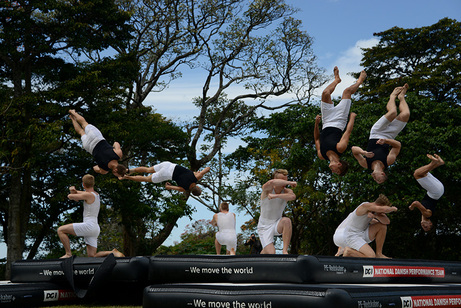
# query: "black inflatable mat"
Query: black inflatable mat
299,269
34,294
300,296
127,269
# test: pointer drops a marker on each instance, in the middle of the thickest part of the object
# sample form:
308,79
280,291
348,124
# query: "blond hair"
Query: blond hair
281,171
383,200
88,181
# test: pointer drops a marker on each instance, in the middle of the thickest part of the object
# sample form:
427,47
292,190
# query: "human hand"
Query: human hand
368,154
318,118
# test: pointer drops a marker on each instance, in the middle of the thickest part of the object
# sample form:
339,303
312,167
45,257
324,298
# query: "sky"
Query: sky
339,29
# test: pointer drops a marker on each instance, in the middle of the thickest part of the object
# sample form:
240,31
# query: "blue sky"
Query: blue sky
339,28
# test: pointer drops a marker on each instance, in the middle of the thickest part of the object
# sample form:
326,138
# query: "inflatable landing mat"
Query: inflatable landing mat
37,294
128,269
299,269
301,296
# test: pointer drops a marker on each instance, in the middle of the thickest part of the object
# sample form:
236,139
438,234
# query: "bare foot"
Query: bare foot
336,73
381,256
340,252
362,77
65,256
396,92
404,91
117,253
436,160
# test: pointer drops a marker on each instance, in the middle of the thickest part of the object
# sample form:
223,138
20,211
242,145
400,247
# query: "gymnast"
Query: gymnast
332,142
434,191
274,198
225,221
89,228
165,171
105,155
368,222
378,156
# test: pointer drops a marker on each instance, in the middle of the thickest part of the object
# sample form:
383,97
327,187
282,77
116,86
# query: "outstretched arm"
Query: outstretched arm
172,187
317,135
342,144
359,154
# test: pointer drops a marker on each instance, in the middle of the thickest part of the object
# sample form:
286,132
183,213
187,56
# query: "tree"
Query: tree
253,46
35,89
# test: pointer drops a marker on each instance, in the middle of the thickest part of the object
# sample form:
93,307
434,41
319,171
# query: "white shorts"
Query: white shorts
91,138
432,185
383,129
355,240
267,229
89,231
227,238
163,172
335,116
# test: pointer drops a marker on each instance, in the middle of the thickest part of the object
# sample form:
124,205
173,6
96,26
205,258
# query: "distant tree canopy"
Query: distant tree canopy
324,199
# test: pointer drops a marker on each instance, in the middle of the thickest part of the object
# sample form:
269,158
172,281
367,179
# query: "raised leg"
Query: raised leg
63,232
326,94
347,93
404,114
436,161
391,106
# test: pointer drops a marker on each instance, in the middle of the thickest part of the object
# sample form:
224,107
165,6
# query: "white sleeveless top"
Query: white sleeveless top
272,210
91,210
355,223
226,221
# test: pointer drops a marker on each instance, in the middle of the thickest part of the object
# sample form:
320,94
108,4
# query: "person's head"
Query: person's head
427,225
119,170
339,167
224,206
281,174
382,200
88,181
196,191
379,176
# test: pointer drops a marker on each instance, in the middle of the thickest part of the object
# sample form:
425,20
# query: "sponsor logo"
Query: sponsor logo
58,295
403,271
443,301
7,298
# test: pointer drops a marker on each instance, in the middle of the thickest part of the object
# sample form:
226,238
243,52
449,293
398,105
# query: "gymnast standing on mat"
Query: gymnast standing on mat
378,157
105,155
332,142
166,171
368,222
226,236
274,198
89,228
434,191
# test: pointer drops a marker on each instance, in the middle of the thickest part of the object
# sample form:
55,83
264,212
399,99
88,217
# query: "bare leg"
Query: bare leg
114,251
78,118
62,233
347,94
436,161
91,251
404,114
269,249
217,246
285,228
378,232
391,106
365,252
326,94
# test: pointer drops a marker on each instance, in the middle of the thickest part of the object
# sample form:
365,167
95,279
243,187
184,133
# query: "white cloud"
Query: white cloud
349,62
